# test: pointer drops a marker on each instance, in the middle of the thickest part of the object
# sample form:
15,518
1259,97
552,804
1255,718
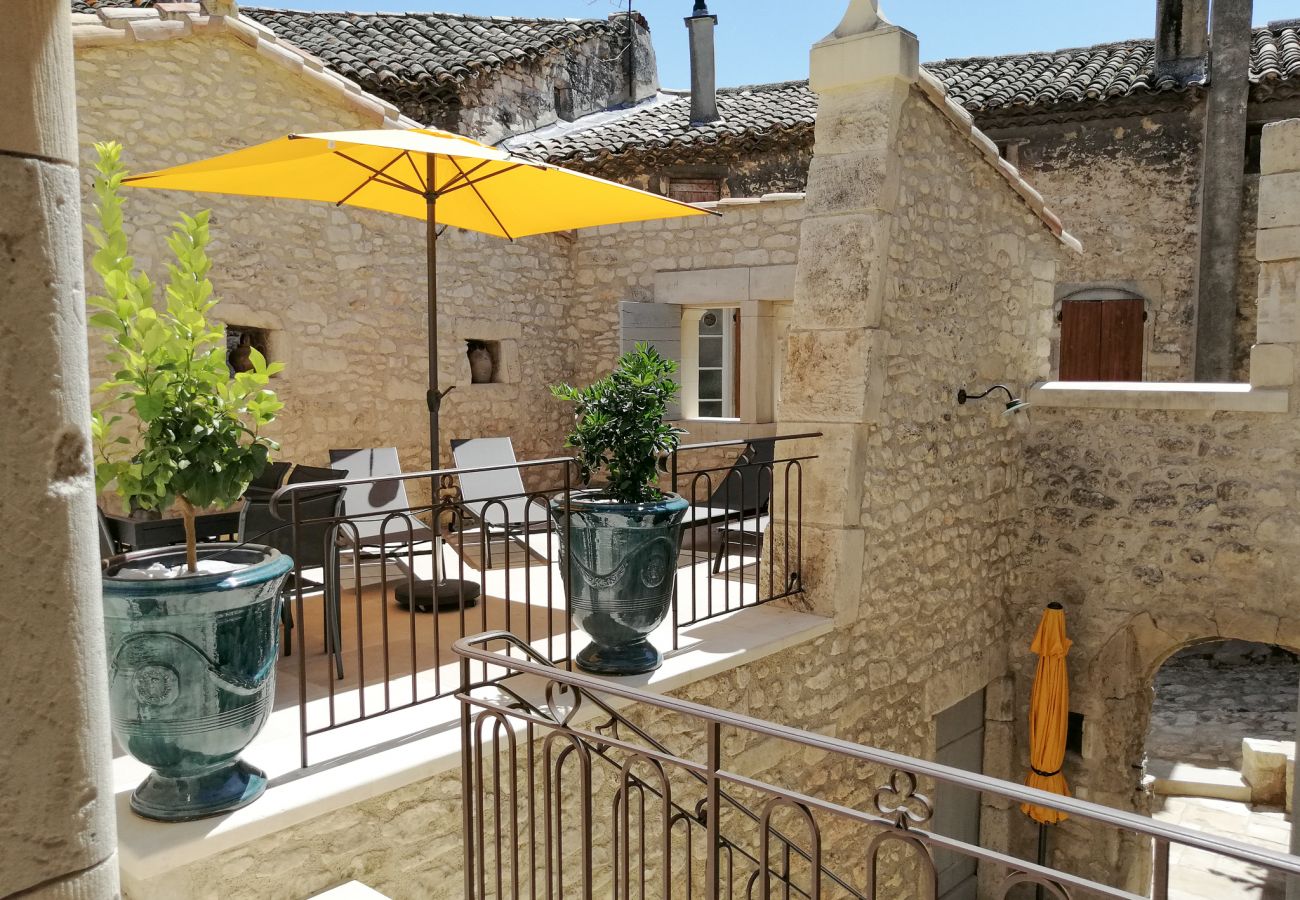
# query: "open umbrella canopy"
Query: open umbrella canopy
476,187
1049,714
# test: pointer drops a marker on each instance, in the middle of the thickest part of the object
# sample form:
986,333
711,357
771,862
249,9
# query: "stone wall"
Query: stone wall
567,83
342,291
1158,529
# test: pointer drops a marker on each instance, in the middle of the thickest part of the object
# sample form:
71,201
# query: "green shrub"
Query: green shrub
175,426
620,427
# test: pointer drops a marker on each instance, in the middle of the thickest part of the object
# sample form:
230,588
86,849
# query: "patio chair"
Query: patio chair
270,480
737,506
368,508
514,515
318,513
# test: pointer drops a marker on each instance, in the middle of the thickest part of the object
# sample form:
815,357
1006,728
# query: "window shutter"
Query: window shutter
695,190
1101,340
1080,341
1121,340
657,324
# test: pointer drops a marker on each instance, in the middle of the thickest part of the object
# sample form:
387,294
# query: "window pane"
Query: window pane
710,384
711,322
711,409
711,352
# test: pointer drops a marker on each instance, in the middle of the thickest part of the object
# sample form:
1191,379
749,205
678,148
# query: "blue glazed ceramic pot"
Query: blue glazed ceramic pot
621,575
192,675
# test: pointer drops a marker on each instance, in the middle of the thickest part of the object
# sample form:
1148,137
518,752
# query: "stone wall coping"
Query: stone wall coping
937,94
116,26
732,202
148,850
1191,396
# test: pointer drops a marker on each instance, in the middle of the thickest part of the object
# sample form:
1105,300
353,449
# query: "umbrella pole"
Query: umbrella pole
434,396
1042,856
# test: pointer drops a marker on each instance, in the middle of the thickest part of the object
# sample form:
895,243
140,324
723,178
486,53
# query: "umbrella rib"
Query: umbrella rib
460,176
470,184
378,174
486,205
424,186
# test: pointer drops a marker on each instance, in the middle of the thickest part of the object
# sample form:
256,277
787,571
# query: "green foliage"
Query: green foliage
620,424
174,424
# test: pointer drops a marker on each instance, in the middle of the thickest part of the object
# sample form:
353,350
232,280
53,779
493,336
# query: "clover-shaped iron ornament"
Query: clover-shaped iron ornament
556,695
900,800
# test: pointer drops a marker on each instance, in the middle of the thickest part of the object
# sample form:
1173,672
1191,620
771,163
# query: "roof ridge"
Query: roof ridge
280,10
1103,45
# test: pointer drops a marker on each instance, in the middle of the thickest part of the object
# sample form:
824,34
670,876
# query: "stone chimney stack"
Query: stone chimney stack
704,75
1181,29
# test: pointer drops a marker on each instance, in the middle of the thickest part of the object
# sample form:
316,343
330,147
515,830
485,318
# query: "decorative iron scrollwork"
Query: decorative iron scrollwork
556,693
900,800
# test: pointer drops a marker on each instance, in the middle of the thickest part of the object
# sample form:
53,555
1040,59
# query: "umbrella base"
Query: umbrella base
445,595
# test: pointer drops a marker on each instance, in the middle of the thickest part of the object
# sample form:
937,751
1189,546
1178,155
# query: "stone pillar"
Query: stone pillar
834,375
1222,188
1273,358
57,826
704,78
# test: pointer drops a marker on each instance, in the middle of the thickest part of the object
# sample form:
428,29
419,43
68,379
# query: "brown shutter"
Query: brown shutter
1101,340
1121,340
695,190
1080,341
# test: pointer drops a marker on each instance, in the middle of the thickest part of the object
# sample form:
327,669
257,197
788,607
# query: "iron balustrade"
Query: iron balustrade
393,659
575,786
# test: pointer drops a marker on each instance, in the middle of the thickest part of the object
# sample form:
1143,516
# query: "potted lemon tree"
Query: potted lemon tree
193,630
619,558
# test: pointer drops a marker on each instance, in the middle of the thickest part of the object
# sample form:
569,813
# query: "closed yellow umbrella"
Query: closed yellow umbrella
437,176
1049,714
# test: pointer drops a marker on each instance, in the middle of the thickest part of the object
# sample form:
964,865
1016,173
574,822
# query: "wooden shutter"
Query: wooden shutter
695,190
658,324
1101,340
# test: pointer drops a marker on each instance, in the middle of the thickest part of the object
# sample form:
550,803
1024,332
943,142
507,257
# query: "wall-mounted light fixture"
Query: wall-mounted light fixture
1014,404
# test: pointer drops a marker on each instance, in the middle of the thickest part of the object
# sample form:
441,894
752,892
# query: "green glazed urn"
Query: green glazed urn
192,675
620,575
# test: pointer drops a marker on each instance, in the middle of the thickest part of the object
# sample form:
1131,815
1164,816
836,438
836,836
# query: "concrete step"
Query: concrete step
1181,780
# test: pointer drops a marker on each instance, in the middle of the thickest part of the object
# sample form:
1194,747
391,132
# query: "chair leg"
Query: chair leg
722,552
333,615
286,620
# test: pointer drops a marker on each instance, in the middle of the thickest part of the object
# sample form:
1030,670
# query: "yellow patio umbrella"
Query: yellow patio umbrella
439,177
1049,714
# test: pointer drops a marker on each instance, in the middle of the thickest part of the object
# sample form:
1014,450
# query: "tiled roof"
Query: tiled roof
749,114
1095,74
425,51
89,6
982,85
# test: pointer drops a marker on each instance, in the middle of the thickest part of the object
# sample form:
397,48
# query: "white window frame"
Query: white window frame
690,368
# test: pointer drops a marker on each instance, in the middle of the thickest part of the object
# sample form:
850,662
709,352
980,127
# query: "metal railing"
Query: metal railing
501,556
576,786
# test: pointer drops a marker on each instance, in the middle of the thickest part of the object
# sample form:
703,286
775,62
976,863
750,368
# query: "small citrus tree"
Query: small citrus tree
175,427
620,424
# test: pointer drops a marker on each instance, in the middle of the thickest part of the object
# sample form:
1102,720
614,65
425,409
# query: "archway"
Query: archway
1222,725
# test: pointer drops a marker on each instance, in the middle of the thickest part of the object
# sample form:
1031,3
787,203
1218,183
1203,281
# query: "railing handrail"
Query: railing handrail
468,648
745,442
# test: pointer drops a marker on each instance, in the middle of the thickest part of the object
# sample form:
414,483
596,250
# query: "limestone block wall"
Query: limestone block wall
620,263
341,291
1157,529
1129,188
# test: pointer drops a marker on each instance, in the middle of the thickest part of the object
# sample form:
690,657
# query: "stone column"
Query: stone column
1273,358
57,826
834,374
1222,188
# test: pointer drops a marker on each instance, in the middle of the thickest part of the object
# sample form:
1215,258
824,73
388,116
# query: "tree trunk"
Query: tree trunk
191,541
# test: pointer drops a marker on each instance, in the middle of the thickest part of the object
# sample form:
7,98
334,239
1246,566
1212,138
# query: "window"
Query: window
716,369
1102,336
239,340
695,190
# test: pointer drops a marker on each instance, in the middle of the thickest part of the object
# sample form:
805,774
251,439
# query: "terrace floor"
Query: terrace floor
383,753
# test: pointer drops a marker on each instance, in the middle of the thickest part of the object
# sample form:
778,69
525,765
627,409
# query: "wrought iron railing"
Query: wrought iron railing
576,786
356,571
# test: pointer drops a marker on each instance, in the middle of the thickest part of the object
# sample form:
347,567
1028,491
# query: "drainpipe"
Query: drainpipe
704,76
1222,188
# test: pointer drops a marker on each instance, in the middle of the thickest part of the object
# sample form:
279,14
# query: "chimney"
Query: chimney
704,76
1181,29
